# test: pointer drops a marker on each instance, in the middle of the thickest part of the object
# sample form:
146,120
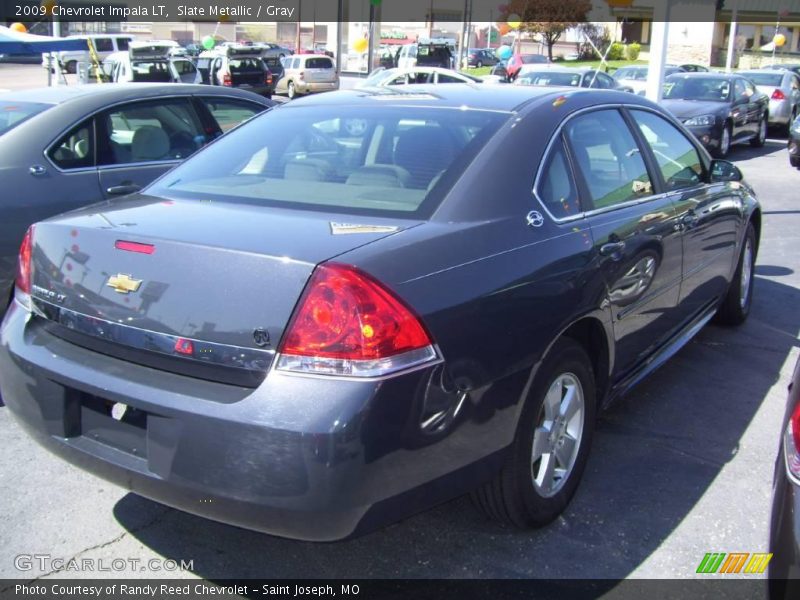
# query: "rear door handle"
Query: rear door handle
612,248
120,190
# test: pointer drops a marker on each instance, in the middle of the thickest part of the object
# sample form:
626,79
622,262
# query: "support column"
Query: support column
658,51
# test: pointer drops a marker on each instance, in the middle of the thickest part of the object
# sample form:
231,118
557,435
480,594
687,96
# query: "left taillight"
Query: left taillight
778,95
349,324
791,443
25,269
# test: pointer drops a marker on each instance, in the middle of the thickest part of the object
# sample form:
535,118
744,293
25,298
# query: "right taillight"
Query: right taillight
791,443
226,79
348,324
778,95
24,268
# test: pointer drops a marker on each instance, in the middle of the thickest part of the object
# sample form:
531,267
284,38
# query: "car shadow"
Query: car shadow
655,454
745,151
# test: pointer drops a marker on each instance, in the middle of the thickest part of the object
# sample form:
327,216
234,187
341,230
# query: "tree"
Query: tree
549,19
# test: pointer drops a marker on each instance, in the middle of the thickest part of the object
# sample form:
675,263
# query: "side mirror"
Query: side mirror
723,170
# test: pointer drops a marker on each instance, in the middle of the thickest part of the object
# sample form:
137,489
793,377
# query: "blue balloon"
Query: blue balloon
504,52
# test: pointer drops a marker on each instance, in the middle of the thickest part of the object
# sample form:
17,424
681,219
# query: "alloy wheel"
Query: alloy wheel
725,142
747,274
557,438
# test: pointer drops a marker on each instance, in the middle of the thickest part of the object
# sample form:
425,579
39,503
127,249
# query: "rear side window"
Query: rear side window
608,158
14,113
362,160
76,149
229,113
677,157
556,188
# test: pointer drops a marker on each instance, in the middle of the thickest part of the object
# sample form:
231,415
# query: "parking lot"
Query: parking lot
680,467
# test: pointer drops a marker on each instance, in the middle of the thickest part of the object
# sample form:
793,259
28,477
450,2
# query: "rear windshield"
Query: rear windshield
531,59
14,113
770,79
151,71
319,63
383,160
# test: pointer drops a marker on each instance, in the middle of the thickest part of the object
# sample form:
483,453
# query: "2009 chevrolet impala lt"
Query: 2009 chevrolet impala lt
362,304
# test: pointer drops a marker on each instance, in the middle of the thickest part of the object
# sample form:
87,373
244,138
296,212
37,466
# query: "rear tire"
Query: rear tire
736,306
761,136
291,92
794,161
72,67
551,446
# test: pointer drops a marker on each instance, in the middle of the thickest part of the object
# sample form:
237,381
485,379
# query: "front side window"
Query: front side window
76,149
556,188
122,43
363,160
149,131
608,158
229,113
677,158
103,44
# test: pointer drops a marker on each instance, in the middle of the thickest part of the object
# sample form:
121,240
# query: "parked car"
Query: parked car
783,89
296,349
270,50
517,61
436,75
784,537
237,66
480,57
497,74
307,74
794,143
67,147
793,67
718,108
426,53
150,63
104,45
546,75
692,68
636,77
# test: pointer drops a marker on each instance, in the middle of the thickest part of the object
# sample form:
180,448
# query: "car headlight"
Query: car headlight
701,121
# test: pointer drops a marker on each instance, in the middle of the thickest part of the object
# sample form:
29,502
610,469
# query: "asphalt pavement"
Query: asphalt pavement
680,467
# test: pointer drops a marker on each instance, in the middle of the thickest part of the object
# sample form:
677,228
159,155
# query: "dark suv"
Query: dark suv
238,67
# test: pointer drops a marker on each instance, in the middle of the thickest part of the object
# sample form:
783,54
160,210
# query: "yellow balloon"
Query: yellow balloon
361,45
779,40
223,19
514,21
49,7
19,27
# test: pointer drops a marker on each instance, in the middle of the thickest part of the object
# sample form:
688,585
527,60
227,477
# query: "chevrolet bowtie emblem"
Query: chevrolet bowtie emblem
123,284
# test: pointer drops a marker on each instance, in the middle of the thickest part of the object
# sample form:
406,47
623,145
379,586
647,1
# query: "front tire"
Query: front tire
551,446
794,161
724,147
761,136
736,306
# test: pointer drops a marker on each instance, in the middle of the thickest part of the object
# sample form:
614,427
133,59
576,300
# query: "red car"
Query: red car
515,63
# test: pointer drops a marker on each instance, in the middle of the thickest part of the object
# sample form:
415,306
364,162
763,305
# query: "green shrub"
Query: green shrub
617,52
632,51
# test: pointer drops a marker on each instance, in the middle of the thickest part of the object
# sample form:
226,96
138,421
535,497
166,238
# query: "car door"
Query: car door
741,112
710,215
635,231
794,91
138,141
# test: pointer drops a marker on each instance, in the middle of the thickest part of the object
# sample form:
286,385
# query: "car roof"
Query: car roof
550,68
453,95
94,96
705,75
782,72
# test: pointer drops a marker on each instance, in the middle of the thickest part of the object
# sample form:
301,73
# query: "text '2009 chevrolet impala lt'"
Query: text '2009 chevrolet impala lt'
362,304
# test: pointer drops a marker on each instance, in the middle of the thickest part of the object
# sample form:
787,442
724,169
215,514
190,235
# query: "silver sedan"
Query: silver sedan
783,88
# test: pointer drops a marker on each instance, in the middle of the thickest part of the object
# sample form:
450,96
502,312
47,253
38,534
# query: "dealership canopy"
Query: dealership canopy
15,42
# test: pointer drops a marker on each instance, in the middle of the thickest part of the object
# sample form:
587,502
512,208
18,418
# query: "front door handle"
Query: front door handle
121,190
37,170
612,249
690,219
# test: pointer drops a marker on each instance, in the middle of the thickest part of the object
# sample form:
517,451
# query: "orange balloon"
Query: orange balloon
504,28
18,27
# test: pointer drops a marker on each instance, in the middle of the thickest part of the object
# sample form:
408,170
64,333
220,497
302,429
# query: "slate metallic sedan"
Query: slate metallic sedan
66,147
719,109
355,323
784,567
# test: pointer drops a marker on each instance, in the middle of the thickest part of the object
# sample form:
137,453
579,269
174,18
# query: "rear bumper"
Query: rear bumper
784,543
297,457
308,87
780,112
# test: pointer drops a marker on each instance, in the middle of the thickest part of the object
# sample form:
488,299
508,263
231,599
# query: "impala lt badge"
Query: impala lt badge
123,284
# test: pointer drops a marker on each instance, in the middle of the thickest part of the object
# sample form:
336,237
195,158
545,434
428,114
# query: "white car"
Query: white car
398,76
104,45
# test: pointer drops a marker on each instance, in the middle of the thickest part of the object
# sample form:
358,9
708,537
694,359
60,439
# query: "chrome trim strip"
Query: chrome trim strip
211,353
